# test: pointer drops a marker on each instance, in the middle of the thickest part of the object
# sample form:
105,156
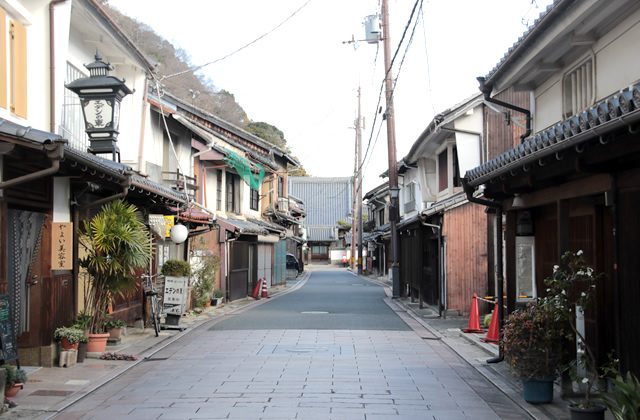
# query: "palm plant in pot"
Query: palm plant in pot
532,345
571,290
117,244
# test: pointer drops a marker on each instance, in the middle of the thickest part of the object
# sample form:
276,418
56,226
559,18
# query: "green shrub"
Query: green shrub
14,376
115,324
176,268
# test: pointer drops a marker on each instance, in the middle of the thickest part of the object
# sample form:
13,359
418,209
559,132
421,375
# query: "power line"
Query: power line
241,48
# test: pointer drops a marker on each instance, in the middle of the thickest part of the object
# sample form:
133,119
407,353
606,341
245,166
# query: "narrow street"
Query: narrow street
331,349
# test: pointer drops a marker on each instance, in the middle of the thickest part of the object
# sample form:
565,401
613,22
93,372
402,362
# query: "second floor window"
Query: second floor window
219,190
578,88
443,171
280,187
231,201
253,204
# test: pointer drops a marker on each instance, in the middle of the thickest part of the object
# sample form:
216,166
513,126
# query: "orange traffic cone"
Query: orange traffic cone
493,336
474,318
256,290
264,290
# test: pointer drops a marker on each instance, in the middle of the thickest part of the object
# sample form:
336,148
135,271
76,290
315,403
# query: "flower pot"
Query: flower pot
11,391
594,413
66,345
97,343
82,352
207,303
114,332
538,391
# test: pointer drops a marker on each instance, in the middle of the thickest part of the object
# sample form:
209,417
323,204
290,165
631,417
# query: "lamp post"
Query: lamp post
100,96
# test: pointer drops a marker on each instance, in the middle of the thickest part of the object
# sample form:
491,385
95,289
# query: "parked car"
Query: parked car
292,263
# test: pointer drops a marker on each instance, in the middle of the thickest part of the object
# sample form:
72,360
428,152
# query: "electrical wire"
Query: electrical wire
241,48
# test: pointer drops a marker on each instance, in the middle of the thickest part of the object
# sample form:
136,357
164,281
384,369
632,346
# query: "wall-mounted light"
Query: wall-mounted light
179,233
517,201
394,192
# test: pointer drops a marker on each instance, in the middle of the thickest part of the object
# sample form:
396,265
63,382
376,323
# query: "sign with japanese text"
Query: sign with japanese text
62,246
169,221
175,295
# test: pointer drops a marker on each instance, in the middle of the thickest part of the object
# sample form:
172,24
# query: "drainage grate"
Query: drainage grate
51,393
154,359
309,349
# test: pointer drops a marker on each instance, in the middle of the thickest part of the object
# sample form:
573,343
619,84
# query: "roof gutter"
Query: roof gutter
55,156
486,89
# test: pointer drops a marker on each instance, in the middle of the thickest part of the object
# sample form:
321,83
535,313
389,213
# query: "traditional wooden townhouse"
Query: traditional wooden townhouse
379,256
572,182
234,174
438,225
52,176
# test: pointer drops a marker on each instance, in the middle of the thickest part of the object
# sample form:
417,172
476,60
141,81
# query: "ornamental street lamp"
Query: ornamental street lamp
100,96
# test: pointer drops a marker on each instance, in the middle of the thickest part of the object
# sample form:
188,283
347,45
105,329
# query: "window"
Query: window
13,63
410,197
380,220
72,122
280,187
253,204
230,193
443,173
578,88
219,190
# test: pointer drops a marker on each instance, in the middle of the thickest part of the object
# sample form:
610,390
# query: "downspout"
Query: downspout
499,274
486,90
52,65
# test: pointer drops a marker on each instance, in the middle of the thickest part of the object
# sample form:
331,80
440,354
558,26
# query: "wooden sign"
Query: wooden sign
7,334
62,246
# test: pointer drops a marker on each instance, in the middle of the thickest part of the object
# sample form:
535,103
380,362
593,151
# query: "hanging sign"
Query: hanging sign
62,246
169,221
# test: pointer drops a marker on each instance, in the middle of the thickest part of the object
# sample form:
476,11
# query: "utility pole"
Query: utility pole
359,189
391,145
354,211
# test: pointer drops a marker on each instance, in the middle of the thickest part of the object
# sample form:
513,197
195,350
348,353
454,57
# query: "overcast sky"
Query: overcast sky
301,77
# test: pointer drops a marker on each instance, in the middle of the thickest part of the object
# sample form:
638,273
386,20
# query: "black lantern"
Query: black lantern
100,96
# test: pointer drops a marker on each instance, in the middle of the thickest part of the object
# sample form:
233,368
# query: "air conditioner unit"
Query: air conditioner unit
283,204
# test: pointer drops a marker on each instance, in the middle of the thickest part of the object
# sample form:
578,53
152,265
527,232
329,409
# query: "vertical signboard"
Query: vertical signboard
175,295
62,246
7,333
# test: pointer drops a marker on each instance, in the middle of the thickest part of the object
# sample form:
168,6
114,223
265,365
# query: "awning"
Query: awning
243,227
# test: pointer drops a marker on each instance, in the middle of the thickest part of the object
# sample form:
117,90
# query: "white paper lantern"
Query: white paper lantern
179,233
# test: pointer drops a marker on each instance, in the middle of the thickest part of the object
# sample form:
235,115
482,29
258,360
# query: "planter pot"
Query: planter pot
538,391
114,332
207,303
11,391
82,352
97,343
595,413
66,345
216,301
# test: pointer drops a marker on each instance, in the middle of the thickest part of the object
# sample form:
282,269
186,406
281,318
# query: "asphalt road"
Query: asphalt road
329,300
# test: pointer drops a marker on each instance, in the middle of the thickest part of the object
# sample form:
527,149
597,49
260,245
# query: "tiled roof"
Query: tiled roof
606,117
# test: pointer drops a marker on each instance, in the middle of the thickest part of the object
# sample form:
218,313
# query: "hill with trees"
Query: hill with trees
191,86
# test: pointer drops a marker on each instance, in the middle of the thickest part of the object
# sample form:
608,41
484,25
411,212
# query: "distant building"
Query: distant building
327,200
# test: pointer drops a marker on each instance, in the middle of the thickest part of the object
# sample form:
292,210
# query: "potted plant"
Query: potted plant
571,289
69,337
114,328
117,244
532,345
82,322
217,297
624,399
176,268
16,378
82,349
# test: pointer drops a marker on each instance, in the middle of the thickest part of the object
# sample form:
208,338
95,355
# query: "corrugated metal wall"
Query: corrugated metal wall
465,228
326,200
